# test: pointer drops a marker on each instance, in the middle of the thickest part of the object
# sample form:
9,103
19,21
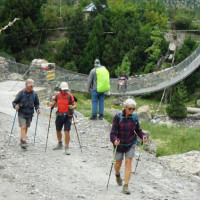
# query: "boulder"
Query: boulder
144,112
198,103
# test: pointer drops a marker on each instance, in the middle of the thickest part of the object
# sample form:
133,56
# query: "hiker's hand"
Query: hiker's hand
38,112
145,139
70,107
17,108
88,91
116,142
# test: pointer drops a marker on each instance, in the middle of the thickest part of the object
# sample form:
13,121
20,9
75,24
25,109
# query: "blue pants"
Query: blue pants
97,97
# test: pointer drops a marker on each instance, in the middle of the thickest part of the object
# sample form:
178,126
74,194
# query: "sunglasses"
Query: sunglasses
131,109
31,86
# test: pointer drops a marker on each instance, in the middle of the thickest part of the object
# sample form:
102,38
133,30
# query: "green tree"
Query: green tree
94,47
176,109
126,64
24,32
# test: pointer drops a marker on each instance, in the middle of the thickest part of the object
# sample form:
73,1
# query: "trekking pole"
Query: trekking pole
36,128
12,127
48,128
77,133
113,161
138,158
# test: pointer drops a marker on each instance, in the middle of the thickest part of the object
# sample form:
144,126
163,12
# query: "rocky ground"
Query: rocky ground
36,174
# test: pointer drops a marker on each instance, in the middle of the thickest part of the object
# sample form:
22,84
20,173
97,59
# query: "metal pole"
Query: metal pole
113,161
77,133
48,128
36,128
12,128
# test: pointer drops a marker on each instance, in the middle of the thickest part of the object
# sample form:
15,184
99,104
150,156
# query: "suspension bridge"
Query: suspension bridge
139,85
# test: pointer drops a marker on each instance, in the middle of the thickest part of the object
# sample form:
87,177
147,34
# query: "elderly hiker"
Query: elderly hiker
98,84
66,103
124,132
24,103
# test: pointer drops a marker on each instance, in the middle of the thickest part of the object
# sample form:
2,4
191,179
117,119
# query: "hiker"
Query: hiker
66,104
124,75
24,103
124,132
98,84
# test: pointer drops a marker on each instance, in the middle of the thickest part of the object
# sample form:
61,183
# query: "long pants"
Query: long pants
97,97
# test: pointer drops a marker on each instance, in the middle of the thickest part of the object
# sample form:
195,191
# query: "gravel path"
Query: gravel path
34,174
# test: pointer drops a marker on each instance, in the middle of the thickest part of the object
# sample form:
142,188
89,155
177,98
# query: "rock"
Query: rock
144,112
198,103
16,76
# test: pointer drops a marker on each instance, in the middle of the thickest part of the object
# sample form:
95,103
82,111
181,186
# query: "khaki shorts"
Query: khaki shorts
129,154
24,121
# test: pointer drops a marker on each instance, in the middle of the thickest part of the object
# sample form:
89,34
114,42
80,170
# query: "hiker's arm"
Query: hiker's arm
16,101
114,129
139,131
90,80
73,106
37,104
52,105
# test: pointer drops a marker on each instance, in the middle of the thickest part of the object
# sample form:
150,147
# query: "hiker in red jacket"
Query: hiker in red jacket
124,132
66,104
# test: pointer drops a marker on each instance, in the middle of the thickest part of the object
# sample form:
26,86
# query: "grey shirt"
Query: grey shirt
92,79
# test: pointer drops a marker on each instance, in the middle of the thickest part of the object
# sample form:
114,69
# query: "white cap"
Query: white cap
64,86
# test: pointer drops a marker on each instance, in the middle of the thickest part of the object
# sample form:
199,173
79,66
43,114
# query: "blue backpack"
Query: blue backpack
133,116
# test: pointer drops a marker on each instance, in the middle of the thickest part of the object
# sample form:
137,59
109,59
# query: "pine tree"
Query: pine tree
176,108
126,64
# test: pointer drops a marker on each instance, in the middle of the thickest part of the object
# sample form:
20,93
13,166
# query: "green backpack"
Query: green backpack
103,79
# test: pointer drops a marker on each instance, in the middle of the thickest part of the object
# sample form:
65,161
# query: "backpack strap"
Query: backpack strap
24,94
133,116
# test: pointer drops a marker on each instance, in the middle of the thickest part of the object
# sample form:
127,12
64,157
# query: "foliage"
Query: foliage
124,67
24,33
176,109
70,66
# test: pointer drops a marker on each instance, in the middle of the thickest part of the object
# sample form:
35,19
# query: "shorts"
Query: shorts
129,154
24,121
66,121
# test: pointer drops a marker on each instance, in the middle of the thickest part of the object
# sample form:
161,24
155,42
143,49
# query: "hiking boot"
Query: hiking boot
94,117
100,117
119,180
67,152
125,189
59,146
23,144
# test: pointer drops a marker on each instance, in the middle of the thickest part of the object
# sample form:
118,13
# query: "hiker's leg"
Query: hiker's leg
117,166
23,132
59,135
101,103
94,102
67,128
67,138
128,170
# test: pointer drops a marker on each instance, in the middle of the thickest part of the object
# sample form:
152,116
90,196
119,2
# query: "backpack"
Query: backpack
24,95
133,116
71,111
103,79
135,119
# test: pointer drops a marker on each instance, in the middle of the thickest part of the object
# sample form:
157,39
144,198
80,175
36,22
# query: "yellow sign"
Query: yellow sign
50,75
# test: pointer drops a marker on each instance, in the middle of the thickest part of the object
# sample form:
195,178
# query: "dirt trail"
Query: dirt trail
34,174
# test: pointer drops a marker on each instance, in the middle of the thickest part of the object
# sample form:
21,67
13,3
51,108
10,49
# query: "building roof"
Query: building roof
91,8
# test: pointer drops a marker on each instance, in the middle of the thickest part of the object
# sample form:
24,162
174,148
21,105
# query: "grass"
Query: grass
173,140
169,140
